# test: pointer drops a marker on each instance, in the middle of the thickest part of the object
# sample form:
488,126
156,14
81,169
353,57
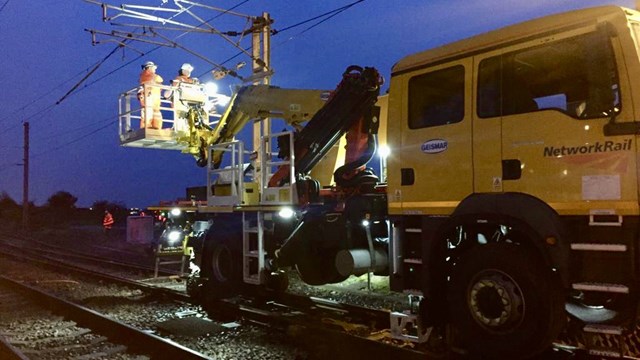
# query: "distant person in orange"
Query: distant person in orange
107,222
149,97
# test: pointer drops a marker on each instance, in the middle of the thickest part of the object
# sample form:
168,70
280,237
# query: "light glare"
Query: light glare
384,151
211,88
286,213
174,236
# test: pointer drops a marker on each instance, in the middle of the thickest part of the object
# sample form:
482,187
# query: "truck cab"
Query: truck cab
514,166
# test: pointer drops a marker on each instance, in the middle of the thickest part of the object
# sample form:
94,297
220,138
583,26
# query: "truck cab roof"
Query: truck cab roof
503,36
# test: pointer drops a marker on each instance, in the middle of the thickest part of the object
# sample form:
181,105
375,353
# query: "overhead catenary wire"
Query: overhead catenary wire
42,111
3,5
88,84
329,14
64,133
88,74
76,89
334,12
43,94
113,121
325,17
91,69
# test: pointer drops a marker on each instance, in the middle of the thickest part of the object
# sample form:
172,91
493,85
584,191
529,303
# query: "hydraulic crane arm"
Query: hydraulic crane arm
295,106
349,109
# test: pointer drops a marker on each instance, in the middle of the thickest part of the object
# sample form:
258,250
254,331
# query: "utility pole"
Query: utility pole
25,184
261,64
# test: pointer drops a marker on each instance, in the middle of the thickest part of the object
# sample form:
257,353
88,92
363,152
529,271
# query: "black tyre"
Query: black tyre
504,302
222,262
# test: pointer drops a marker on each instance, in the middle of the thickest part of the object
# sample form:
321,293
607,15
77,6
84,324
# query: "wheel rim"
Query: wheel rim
496,301
222,264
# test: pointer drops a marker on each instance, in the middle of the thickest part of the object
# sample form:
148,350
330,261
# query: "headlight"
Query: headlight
286,213
174,235
384,151
176,212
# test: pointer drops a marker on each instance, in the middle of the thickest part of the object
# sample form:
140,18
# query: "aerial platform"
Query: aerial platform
151,139
174,104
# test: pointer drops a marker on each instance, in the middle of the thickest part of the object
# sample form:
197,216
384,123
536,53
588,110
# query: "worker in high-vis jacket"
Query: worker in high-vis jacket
107,222
149,96
184,76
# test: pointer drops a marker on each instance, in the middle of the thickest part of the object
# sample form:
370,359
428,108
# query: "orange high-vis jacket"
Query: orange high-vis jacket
149,77
108,221
182,78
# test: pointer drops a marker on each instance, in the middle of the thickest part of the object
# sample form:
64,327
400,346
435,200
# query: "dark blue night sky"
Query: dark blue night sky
74,145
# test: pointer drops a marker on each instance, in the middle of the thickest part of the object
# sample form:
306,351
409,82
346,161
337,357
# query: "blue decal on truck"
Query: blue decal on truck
434,146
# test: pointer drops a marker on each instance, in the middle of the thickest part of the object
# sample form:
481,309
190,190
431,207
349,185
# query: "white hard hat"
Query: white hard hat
148,64
186,67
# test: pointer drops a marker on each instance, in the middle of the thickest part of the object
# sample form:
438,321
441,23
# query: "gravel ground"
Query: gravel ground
244,342
353,291
39,334
133,307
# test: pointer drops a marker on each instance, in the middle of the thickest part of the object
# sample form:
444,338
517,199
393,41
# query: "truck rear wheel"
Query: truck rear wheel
504,302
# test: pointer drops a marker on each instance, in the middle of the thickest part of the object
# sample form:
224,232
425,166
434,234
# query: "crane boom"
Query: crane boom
294,106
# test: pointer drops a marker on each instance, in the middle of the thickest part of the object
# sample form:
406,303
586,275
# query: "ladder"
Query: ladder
253,254
604,329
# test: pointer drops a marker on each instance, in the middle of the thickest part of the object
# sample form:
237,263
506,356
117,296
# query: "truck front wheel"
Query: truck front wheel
222,264
504,302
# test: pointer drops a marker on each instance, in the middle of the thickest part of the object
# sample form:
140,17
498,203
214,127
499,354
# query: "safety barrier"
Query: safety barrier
174,103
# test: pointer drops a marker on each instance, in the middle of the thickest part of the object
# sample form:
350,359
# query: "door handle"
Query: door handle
511,169
407,176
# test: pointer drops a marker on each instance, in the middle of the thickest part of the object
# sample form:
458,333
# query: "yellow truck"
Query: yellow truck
509,202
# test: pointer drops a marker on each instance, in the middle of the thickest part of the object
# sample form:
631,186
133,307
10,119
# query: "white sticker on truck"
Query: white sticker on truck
601,187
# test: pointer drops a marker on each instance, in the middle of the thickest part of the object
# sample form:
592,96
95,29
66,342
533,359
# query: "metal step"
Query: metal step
605,352
252,254
603,329
601,287
413,261
604,218
413,230
599,247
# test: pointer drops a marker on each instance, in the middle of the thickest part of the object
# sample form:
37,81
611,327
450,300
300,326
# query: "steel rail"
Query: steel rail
10,352
60,265
257,314
136,339
84,256
306,308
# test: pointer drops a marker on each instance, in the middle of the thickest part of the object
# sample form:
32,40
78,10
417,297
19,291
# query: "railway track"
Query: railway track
299,318
306,320
41,325
105,262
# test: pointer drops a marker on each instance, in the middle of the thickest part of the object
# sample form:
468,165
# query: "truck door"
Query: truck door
434,159
550,99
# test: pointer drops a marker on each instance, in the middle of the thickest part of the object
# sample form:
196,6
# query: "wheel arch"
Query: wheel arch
536,219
